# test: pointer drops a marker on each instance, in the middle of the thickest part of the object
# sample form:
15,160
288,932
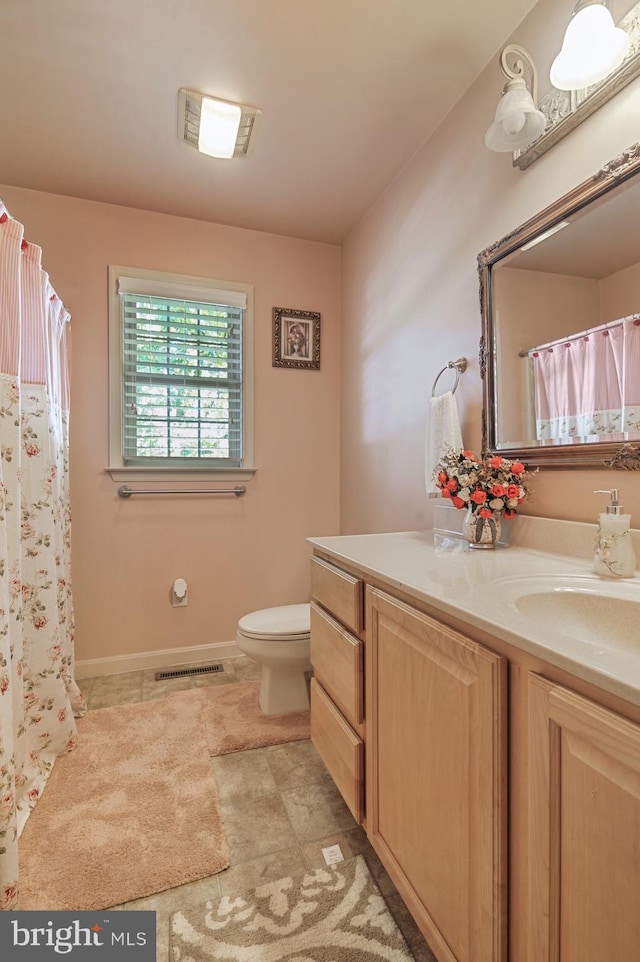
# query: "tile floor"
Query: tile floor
279,805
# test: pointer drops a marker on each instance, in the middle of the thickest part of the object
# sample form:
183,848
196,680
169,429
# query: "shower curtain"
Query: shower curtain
38,696
589,385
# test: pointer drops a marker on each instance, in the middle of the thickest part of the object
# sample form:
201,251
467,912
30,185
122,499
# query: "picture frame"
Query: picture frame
296,339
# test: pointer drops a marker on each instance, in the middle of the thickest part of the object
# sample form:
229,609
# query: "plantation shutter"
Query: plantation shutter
182,375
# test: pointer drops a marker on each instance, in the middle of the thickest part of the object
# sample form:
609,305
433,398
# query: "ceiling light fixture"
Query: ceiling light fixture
518,120
544,235
218,128
592,48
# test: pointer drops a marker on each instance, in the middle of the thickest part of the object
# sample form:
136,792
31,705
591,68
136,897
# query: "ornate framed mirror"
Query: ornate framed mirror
560,343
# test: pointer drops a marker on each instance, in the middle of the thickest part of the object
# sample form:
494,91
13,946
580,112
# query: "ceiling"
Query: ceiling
349,89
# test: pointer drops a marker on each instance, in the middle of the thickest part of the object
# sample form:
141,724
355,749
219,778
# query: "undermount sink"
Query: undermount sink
590,609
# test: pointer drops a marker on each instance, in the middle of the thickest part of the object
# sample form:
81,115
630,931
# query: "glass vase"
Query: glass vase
481,532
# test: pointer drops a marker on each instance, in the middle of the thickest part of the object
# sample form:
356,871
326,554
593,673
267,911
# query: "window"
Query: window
181,377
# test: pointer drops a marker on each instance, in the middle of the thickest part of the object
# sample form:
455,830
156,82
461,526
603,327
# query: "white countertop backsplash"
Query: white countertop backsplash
438,568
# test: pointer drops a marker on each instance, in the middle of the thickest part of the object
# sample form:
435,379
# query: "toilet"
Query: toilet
278,639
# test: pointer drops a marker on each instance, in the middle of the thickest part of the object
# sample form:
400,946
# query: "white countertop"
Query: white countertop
468,585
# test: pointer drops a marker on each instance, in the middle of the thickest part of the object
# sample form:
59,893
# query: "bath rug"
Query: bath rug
235,722
333,914
132,811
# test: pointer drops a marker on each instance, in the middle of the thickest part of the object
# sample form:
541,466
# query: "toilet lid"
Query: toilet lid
288,620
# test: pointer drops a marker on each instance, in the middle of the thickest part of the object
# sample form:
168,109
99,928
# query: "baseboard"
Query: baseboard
168,657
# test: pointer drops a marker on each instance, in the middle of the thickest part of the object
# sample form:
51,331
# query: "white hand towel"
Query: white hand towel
443,433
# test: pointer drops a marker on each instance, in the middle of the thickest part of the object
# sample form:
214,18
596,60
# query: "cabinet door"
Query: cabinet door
584,829
436,777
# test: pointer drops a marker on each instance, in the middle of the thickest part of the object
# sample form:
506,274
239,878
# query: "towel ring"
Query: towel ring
460,367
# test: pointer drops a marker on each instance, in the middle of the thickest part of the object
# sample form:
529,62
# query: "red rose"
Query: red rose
442,477
495,462
452,484
458,502
470,455
513,491
517,467
508,513
478,497
497,490
446,493
485,513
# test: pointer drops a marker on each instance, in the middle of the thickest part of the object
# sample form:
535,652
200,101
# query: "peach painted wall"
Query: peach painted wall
236,555
620,294
545,305
410,294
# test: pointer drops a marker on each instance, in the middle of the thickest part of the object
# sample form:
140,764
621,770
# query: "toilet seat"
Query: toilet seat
286,623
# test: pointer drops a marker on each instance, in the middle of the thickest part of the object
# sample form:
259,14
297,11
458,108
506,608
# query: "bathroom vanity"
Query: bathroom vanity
486,733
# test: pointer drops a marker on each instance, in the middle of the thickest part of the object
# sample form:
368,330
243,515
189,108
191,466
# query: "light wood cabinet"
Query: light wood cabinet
584,829
508,838
336,742
339,592
337,659
436,770
337,688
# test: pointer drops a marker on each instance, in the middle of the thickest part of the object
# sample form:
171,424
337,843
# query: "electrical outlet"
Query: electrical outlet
179,593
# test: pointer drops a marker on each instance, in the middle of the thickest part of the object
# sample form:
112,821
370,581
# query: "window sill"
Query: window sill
123,473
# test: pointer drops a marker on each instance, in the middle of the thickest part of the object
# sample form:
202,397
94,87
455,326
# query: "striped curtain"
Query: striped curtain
38,695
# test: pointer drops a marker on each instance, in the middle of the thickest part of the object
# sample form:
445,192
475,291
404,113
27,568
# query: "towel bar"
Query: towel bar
460,367
125,492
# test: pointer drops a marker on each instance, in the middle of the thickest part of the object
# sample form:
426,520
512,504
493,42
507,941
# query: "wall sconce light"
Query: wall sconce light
564,108
518,120
593,47
215,127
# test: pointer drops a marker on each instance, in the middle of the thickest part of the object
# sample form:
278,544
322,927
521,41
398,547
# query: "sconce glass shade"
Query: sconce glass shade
592,48
517,122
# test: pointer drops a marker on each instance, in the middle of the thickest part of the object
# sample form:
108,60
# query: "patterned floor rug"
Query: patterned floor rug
334,914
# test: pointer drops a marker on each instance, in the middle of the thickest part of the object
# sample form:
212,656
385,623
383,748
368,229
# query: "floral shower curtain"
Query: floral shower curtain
589,384
38,696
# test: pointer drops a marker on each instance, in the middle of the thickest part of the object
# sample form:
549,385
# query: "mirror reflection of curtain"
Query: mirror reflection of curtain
38,694
589,384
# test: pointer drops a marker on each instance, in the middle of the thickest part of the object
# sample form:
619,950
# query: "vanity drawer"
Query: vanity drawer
340,749
337,659
339,593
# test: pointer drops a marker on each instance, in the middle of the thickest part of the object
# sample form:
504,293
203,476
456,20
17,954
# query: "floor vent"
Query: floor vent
185,672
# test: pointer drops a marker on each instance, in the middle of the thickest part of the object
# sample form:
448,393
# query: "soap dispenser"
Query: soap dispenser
614,557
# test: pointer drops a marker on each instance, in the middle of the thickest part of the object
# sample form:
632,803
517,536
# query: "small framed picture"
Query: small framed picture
296,339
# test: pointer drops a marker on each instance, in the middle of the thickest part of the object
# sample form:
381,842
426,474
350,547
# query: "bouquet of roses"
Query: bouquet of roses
493,486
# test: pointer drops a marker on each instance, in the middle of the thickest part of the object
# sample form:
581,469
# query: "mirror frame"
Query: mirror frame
587,454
